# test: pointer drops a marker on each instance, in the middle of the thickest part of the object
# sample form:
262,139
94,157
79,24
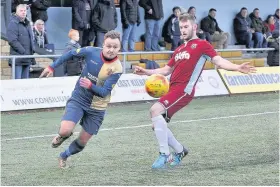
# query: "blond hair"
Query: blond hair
186,17
113,35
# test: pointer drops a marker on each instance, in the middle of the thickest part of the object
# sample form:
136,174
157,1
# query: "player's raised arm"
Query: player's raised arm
227,65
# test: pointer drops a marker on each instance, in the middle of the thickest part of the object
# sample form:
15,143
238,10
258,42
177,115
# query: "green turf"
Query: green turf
230,151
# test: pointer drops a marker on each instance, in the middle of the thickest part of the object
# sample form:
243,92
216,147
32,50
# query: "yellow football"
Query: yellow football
157,85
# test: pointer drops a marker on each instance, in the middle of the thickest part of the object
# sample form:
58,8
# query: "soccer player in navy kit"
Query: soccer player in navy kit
91,94
185,67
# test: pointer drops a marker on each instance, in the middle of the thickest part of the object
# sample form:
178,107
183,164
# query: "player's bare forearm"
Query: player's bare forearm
166,70
225,64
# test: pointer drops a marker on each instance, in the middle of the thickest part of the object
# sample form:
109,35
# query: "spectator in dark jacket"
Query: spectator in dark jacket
199,32
130,19
153,15
75,65
210,25
273,56
39,10
20,38
258,26
82,12
242,28
276,17
174,29
104,19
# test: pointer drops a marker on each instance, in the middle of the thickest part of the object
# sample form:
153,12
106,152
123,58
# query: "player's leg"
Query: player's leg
73,113
160,129
90,123
180,150
75,147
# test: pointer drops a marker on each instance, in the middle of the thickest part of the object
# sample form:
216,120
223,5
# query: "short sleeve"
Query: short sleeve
209,50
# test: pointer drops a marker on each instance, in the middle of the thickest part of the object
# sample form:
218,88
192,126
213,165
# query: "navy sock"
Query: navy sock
75,147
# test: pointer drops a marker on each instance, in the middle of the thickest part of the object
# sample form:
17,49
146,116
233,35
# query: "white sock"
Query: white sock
160,128
172,142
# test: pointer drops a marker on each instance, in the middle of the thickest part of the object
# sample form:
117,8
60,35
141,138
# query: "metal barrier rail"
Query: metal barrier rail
13,57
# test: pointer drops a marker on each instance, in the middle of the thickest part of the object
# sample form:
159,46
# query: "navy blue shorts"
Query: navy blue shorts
90,119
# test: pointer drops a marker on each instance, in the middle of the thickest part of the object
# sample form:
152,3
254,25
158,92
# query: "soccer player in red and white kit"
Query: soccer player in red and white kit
185,67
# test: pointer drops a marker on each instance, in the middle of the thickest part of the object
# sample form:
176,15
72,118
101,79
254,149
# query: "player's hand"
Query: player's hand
150,11
140,71
48,71
246,68
85,83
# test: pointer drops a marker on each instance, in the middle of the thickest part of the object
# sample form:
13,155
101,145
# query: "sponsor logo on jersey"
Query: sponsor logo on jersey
91,77
182,55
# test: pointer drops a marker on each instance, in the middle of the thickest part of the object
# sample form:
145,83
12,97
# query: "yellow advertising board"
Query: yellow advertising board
264,80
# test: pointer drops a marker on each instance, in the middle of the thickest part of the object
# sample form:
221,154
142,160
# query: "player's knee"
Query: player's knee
65,132
156,110
66,128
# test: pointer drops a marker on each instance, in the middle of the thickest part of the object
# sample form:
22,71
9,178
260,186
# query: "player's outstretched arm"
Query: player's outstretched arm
166,70
227,65
48,71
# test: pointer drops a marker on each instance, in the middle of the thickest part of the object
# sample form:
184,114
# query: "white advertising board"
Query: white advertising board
54,92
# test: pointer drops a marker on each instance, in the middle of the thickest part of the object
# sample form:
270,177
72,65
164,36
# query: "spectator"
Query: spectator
130,19
15,3
82,12
269,25
75,65
104,19
242,28
276,17
199,32
42,45
39,10
40,35
20,38
210,25
273,56
174,29
153,15
258,27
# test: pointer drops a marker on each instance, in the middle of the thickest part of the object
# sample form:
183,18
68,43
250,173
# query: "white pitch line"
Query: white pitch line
140,126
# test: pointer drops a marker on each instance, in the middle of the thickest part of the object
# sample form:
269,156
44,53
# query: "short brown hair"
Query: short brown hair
113,35
185,17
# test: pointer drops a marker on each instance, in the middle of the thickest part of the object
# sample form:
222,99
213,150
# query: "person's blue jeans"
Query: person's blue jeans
175,42
22,72
99,39
152,35
129,38
258,40
246,39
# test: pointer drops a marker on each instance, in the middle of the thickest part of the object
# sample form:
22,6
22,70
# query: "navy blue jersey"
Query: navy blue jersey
103,75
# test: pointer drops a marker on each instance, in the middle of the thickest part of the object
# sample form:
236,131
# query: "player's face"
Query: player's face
188,29
111,47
